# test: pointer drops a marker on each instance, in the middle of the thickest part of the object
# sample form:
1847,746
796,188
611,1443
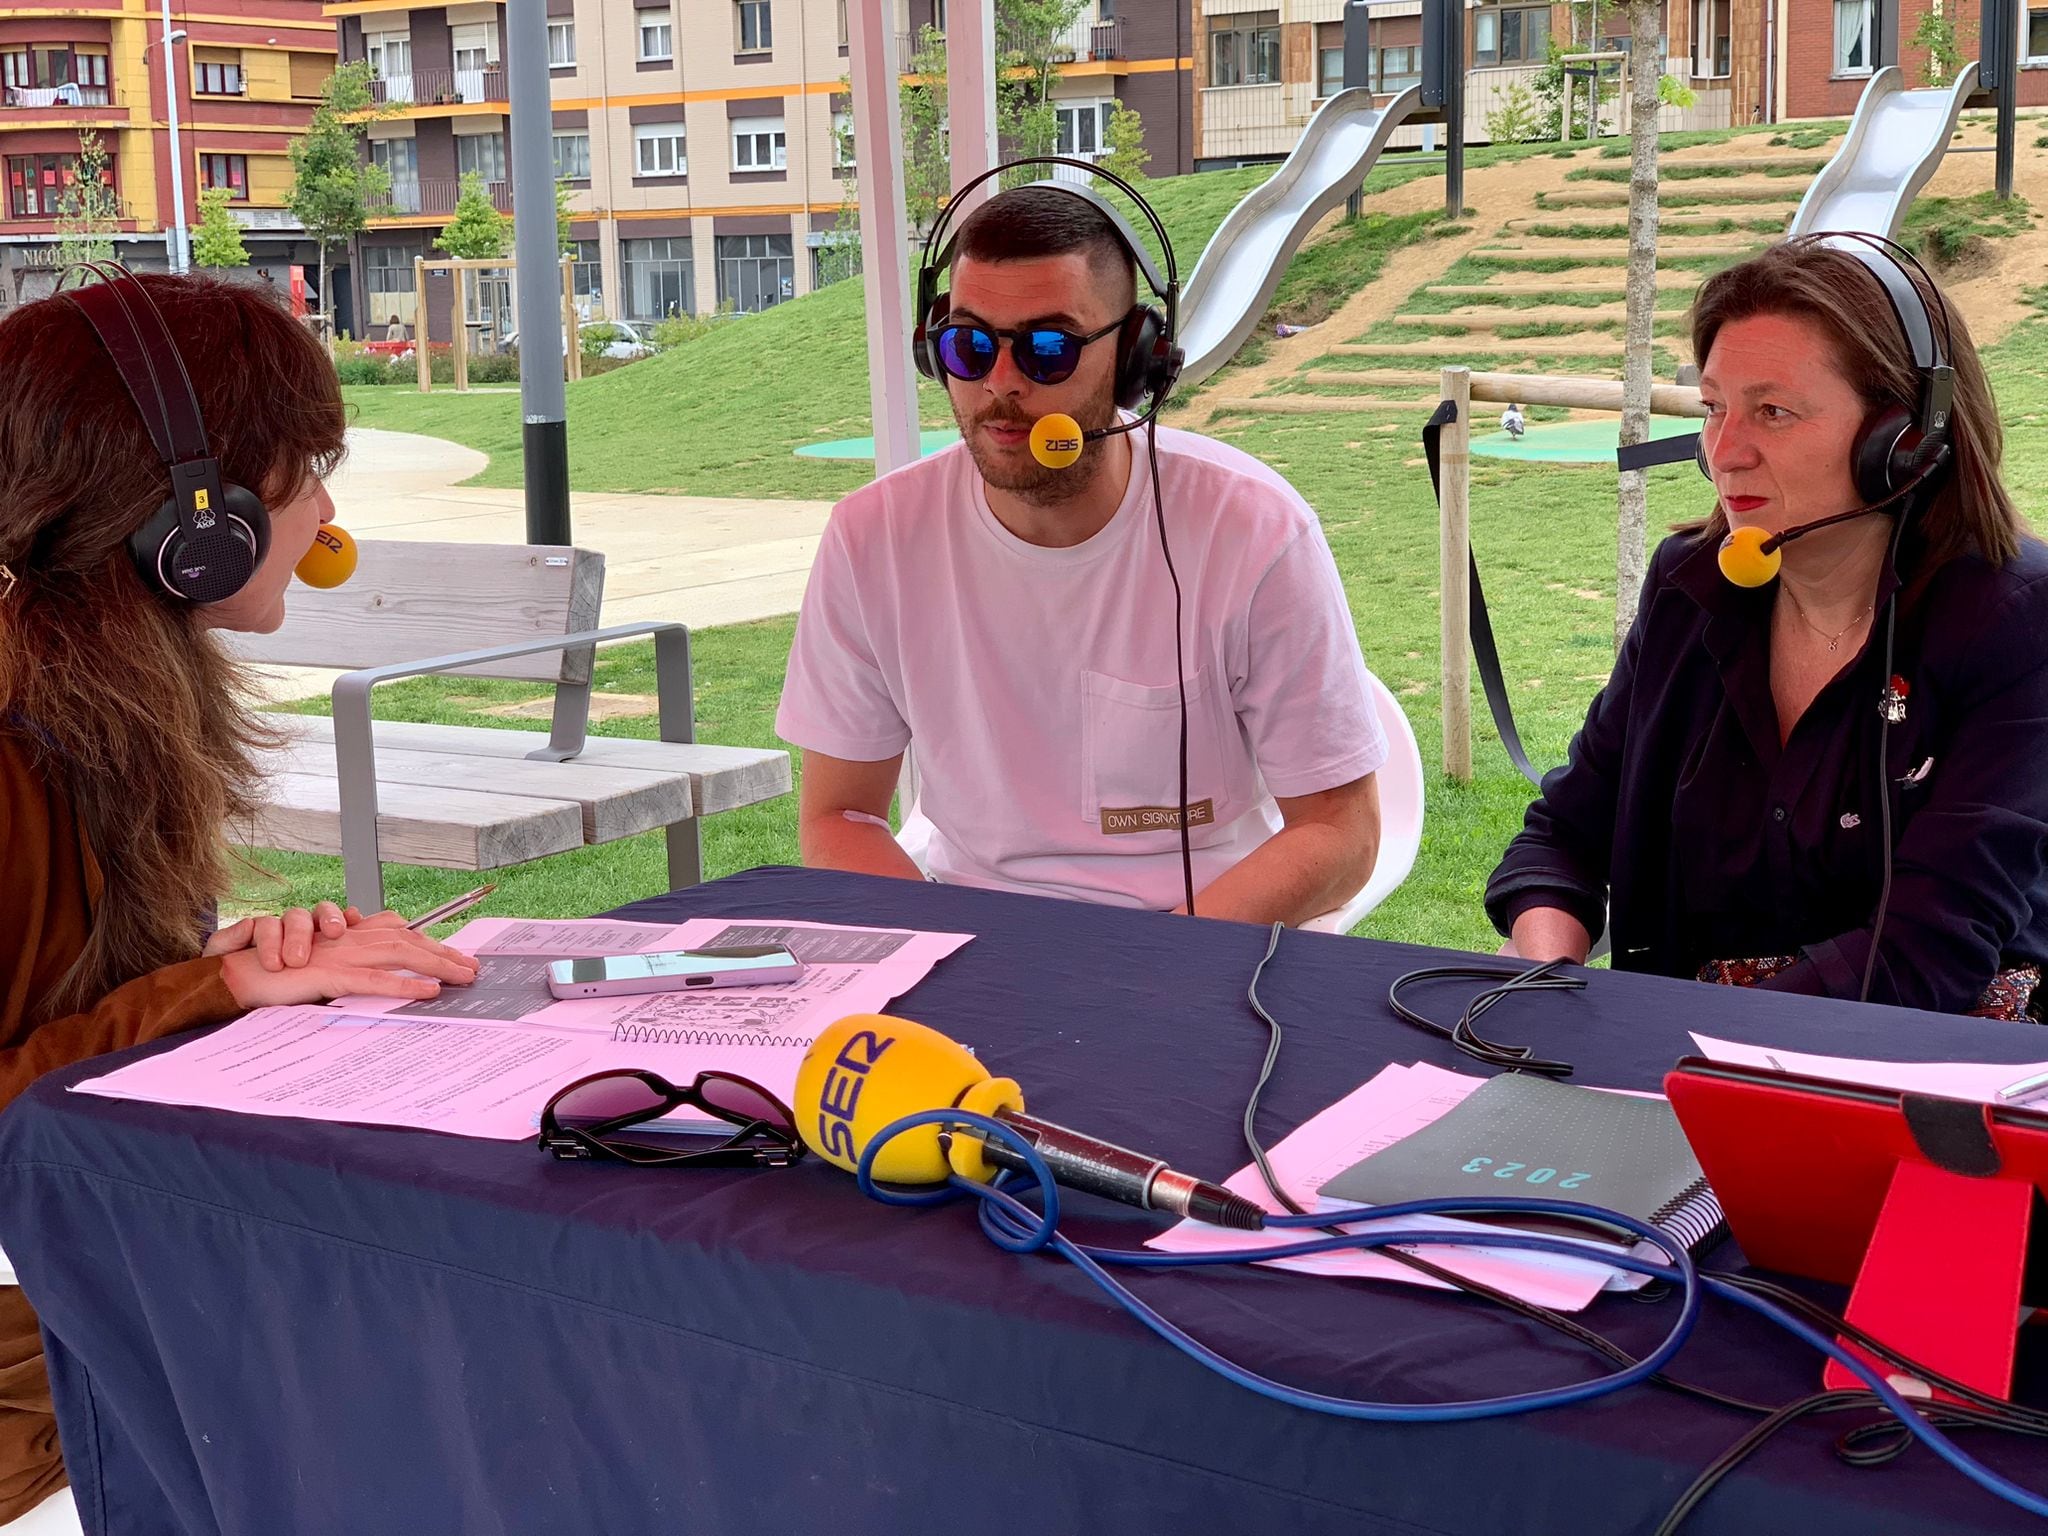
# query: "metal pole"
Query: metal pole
1454,111
884,243
1454,566
181,248
537,250
2008,97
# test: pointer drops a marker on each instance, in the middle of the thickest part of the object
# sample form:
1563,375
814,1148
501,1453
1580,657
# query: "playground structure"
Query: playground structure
459,320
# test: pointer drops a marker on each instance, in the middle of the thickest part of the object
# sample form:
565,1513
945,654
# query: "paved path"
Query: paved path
703,560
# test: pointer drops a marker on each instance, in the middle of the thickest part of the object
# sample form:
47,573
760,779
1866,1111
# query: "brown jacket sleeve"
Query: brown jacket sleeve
47,886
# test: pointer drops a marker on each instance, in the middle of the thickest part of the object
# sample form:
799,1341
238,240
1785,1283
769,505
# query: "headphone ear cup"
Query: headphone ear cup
208,566
923,349
1884,455
1142,357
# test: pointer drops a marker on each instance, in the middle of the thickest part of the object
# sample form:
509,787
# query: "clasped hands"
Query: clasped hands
317,955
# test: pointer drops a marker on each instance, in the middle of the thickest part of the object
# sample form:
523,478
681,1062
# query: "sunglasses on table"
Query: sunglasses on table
590,1119
1044,354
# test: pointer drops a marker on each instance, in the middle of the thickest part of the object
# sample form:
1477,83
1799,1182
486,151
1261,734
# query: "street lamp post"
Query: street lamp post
178,245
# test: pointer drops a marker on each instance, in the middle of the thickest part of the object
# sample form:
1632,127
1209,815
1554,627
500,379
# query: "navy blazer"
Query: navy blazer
1679,812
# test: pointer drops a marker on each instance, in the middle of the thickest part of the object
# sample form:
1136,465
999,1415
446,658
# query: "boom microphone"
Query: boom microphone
1057,440
1749,557
331,560
871,1070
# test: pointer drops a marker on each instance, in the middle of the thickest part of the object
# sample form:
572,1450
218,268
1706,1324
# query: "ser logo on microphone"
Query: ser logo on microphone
840,1096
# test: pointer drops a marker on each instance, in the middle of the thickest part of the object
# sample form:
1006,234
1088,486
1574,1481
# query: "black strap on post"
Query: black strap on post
1658,450
1484,652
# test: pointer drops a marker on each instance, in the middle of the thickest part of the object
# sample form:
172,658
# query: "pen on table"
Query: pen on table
453,908
2025,1088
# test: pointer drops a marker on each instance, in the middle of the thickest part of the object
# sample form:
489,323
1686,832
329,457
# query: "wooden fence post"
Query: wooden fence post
460,350
1454,556
572,343
419,324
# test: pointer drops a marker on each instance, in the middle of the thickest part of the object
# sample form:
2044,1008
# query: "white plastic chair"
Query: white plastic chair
1400,784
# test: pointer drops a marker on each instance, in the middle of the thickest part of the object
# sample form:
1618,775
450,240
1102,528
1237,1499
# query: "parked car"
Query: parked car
630,341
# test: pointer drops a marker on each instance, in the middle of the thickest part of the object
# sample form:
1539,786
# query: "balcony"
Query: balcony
434,197
1082,41
437,86
43,98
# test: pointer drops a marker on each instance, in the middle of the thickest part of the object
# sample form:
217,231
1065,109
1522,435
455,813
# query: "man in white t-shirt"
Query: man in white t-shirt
1015,626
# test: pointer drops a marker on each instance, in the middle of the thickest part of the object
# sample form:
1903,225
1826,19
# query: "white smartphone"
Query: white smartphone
677,970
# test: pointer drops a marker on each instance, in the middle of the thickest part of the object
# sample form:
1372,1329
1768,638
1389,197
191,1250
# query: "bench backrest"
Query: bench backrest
409,601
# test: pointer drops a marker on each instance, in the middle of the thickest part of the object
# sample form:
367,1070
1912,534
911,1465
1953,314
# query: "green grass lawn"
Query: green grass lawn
1543,534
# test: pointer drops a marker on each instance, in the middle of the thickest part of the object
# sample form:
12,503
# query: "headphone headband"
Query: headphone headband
1886,259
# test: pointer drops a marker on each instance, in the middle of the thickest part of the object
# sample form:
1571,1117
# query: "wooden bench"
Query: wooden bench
468,797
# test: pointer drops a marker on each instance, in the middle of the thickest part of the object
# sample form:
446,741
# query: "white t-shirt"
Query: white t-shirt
1039,685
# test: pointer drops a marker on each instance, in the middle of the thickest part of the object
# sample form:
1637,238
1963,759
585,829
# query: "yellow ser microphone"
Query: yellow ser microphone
331,560
867,1071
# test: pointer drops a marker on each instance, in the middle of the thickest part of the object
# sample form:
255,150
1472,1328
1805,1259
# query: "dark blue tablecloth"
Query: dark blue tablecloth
259,1326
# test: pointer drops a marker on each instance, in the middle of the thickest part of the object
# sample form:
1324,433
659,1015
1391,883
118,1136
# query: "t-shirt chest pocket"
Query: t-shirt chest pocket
1130,761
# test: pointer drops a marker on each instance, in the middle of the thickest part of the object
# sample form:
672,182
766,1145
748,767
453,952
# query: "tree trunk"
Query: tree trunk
326,303
1646,64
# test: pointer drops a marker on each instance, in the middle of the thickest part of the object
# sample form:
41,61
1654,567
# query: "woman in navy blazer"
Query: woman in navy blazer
1720,805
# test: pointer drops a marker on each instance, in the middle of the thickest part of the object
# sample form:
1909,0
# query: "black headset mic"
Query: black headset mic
1749,557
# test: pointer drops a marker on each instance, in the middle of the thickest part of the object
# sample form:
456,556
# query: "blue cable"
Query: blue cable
1017,1228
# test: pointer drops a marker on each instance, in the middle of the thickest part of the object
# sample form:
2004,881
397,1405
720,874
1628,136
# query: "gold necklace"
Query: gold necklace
1836,638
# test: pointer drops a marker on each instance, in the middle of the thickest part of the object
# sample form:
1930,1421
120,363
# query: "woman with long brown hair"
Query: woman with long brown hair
1834,782
126,737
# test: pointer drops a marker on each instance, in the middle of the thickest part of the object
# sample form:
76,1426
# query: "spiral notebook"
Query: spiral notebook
1522,1135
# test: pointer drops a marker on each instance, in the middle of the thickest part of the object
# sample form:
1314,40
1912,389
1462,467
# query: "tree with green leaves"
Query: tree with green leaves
839,256
477,232
927,157
217,238
334,184
88,212
563,239
1031,44
1124,145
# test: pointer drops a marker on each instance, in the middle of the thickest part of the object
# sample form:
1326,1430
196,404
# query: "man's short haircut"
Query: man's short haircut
1026,223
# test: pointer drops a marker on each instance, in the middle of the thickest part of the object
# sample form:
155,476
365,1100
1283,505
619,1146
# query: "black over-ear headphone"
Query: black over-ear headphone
1895,447
207,539
1148,356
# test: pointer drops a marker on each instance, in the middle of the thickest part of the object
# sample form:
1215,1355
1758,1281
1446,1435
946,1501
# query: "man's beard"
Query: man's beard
1024,477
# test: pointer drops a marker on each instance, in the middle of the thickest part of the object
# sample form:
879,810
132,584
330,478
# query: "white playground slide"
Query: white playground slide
1895,142
1242,264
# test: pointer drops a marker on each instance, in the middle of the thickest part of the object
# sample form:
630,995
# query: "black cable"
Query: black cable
1886,708
1464,1035
1572,1329
1187,857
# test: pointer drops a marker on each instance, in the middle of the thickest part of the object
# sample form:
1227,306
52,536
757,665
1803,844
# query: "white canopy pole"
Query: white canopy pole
971,95
884,237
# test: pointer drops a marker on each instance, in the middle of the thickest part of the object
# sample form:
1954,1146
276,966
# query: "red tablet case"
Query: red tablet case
1922,1204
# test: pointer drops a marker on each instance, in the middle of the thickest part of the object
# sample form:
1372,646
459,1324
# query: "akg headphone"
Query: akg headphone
207,539
1895,447
1148,357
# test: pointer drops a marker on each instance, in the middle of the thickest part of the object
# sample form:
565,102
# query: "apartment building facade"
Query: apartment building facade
705,142
247,74
1263,72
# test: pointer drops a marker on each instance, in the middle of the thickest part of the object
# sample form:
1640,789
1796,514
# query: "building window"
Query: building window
758,144
388,280
2037,35
586,273
659,277
755,272
390,58
400,161
1852,36
842,141
658,150
482,154
572,157
561,45
755,28
35,183
1396,69
1244,49
1511,36
1082,128
1330,70
230,171
844,35
1710,31
478,74
217,77
657,36
61,75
